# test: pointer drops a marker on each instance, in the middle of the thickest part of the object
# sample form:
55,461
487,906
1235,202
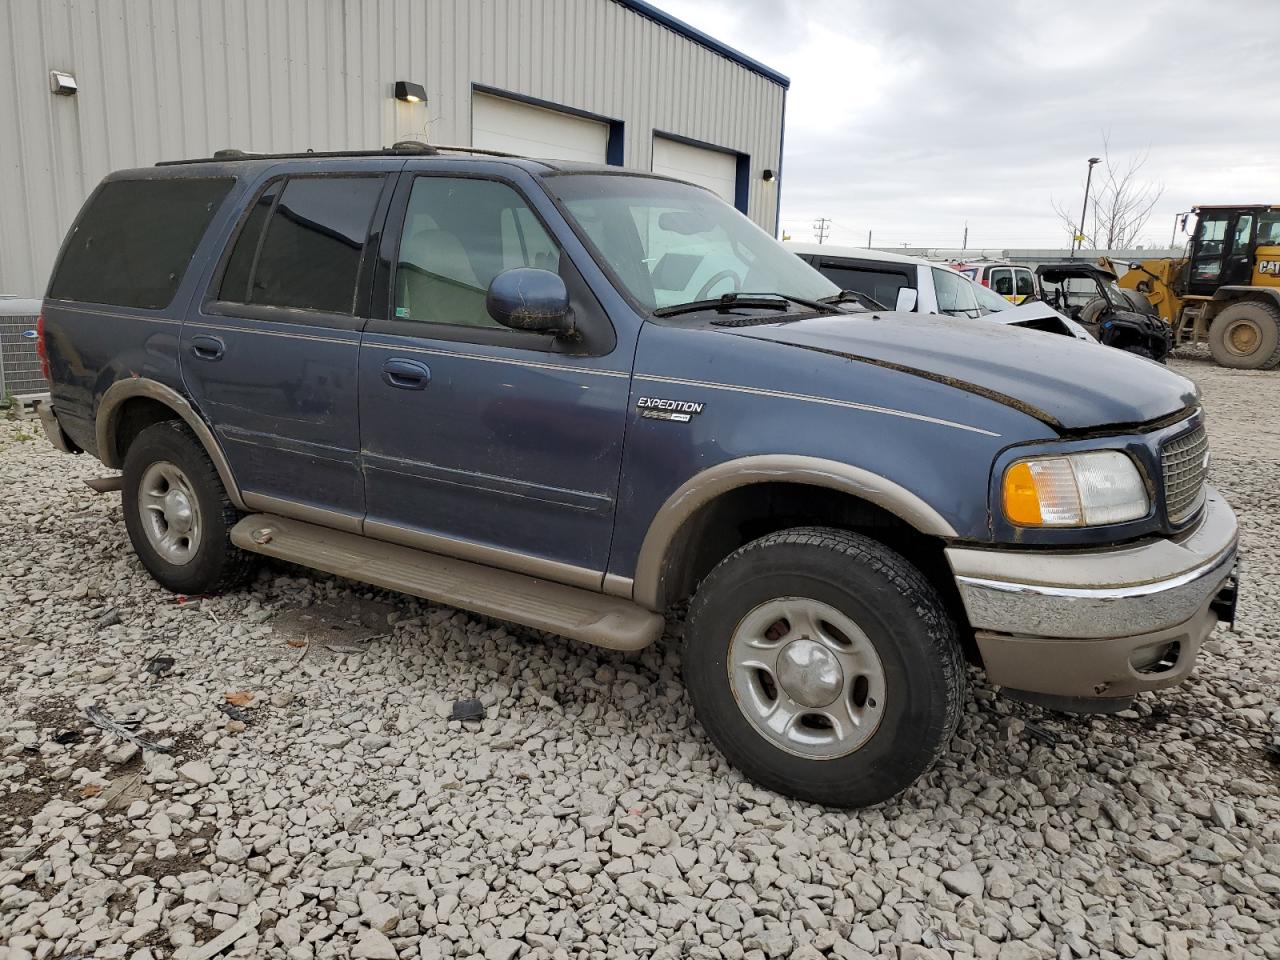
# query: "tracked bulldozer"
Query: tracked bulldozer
1226,290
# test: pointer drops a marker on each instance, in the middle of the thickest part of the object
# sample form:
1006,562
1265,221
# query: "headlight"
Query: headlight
1076,490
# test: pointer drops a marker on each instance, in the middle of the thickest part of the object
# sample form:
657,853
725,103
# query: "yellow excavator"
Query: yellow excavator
1226,290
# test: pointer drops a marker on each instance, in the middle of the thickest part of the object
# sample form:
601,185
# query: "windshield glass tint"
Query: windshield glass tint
670,243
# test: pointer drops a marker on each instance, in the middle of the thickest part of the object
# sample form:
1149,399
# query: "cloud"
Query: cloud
910,119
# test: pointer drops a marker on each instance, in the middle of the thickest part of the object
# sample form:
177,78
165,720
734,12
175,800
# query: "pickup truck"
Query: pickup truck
576,397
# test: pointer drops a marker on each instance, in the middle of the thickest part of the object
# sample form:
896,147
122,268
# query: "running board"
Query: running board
569,611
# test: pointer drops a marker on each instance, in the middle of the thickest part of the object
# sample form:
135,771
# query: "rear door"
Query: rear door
270,356
1024,284
477,440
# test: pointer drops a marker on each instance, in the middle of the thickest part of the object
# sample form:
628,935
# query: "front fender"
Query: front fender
704,487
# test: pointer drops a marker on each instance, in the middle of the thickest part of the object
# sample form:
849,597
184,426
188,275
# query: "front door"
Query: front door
479,441
270,356
1237,265
1208,249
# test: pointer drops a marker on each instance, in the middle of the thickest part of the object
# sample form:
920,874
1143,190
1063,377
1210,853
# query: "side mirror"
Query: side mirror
1135,265
907,299
527,299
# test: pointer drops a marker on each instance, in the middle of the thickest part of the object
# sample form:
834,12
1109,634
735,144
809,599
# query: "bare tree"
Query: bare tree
1120,203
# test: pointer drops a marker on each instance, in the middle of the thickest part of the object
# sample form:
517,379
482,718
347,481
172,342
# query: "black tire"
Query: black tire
215,565
1090,312
1140,351
897,609
1264,319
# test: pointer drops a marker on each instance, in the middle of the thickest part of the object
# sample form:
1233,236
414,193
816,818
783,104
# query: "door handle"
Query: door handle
406,374
207,348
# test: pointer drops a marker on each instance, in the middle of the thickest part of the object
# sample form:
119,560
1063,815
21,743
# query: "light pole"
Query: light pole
1084,209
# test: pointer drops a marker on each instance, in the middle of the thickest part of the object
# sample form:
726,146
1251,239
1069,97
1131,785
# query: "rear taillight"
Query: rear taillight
42,351
984,282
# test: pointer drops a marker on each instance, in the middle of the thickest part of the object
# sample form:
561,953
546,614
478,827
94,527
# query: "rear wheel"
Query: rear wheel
824,666
1246,336
178,514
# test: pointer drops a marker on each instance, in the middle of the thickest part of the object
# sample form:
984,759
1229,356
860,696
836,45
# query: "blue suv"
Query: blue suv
574,397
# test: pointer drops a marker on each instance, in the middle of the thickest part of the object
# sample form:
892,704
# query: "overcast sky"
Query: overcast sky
909,118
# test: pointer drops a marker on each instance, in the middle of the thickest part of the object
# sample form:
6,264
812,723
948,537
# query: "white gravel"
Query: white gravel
337,812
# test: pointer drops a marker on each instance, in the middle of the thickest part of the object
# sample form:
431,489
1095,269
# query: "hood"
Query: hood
1069,384
1038,315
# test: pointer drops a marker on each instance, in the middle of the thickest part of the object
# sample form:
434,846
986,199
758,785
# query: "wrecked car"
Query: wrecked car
576,397
1097,303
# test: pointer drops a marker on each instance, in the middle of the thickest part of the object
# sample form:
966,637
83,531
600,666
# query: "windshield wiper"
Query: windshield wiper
853,296
732,301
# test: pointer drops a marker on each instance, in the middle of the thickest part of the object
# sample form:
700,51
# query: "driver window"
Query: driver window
955,294
1240,238
458,235
1207,264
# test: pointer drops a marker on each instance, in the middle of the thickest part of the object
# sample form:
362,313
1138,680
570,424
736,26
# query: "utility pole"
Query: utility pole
965,244
868,239
821,227
1079,237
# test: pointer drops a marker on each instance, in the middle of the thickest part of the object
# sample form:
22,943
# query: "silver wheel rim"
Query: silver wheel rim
170,512
807,678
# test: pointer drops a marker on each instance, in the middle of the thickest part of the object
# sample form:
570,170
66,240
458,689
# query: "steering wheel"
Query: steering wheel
707,287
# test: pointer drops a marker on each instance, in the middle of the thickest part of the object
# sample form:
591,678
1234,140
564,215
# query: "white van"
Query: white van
899,282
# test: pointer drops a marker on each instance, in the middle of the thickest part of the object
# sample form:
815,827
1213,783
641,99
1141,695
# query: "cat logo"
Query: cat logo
1269,268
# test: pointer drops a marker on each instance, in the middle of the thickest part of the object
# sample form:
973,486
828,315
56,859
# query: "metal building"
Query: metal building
90,86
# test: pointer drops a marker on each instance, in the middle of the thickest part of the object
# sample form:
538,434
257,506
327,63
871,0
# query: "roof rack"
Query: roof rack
401,148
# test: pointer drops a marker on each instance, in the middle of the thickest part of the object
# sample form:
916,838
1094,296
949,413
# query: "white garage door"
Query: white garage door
513,127
707,168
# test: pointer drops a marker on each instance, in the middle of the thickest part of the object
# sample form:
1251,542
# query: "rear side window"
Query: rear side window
135,239
1026,286
880,285
302,244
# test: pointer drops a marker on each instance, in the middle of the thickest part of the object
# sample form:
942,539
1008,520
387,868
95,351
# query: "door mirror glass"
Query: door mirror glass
525,298
906,300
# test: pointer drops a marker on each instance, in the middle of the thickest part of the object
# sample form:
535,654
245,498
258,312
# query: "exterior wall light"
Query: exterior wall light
62,84
768,176
410,92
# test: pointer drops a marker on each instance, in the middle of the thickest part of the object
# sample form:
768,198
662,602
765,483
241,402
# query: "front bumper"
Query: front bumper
1100,625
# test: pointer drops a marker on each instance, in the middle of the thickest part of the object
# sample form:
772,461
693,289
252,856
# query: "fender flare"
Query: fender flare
1234,294
704,487
108,422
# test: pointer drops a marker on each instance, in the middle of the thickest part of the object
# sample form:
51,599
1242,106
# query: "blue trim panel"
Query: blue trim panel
777,173
705,40
742,183
615,147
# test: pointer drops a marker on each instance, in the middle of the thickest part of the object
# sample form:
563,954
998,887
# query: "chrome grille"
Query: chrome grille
1185,462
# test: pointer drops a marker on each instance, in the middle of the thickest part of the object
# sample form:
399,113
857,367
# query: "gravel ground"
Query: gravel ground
316,801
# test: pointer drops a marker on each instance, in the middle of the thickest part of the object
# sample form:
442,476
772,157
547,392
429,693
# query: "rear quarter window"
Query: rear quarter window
135,239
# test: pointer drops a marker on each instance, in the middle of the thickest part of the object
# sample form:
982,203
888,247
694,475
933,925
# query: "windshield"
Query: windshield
671,243
989,300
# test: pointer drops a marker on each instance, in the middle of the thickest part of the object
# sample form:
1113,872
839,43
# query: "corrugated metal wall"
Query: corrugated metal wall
165,79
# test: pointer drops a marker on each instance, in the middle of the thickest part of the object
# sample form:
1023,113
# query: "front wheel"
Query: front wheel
824,666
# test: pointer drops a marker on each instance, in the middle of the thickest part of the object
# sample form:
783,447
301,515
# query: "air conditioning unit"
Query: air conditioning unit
19,363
